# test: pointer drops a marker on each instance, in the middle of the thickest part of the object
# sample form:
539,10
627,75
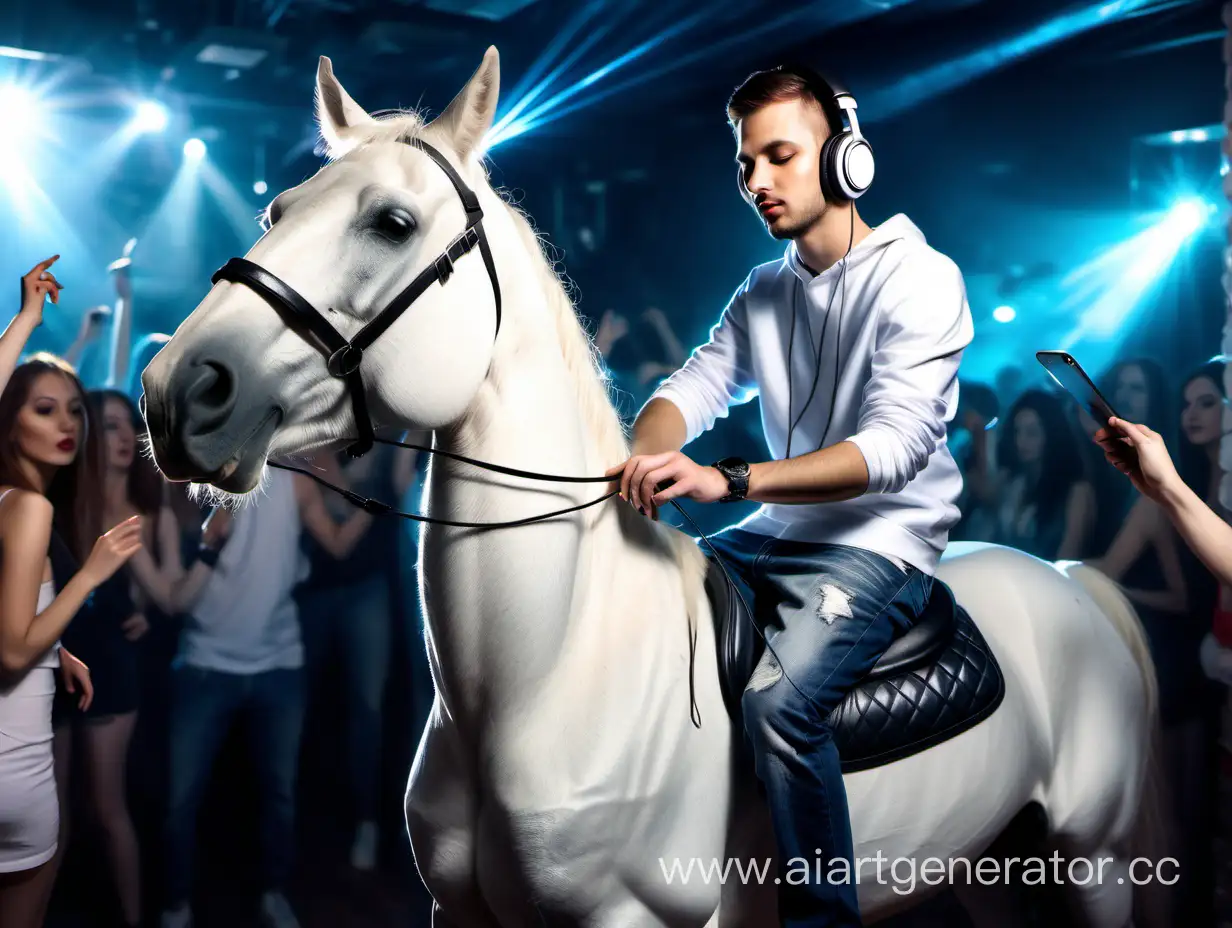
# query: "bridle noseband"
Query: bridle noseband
343,358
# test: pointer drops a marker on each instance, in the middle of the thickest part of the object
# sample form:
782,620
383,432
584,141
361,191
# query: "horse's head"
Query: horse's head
249,373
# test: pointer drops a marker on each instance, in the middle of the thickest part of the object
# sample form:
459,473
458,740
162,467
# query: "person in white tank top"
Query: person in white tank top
43,427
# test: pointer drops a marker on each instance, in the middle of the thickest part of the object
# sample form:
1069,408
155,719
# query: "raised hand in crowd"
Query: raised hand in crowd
36,285
1141,455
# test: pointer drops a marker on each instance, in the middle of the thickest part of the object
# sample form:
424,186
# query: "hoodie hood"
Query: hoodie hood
895,229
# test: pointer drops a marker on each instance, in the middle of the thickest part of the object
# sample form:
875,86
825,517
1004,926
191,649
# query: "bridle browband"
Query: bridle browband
343,358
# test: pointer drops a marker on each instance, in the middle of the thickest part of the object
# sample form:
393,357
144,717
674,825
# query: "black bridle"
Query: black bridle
343,358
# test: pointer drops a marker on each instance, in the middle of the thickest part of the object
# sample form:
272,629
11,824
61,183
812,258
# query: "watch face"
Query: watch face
736,468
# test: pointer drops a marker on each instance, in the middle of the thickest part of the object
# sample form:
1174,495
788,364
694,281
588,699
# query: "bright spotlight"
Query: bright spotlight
260,187
1004,314
1187,216
17,105
150,117
194,149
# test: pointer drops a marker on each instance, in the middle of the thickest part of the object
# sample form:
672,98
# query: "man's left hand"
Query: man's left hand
643,473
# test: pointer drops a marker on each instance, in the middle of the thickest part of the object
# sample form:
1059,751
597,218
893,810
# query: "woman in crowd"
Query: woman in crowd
46,499
107,634
1046,507
1188,498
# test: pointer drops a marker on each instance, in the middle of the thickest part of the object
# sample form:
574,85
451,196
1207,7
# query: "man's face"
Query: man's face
778,157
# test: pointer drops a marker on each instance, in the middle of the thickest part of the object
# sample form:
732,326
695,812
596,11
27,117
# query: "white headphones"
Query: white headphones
847,165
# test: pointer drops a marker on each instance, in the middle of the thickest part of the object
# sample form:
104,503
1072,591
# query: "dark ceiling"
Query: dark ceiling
407,52
1009,128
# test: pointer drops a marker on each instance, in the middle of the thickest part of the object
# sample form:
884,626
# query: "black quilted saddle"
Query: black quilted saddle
935,681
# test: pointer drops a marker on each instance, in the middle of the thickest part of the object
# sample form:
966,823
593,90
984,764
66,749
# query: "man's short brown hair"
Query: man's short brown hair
778,85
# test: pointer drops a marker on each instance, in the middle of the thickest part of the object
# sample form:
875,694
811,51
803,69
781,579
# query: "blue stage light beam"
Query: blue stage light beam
1108,290
562,38
513,117
677,62
941,78
239,213
598,74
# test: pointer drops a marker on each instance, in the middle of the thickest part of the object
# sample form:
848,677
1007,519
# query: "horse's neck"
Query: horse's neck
500,600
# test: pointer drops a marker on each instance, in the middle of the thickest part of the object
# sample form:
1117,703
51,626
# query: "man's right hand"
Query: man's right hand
1141,455
36,285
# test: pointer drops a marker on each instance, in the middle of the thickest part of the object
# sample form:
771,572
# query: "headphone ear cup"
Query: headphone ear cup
831,187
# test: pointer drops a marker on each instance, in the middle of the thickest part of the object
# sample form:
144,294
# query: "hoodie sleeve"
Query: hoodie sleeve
921,335
718,373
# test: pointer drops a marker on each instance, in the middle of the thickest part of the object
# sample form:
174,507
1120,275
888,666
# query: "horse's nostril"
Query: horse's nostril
208,397
217,390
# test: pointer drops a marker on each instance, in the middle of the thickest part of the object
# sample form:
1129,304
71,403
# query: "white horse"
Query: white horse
560,776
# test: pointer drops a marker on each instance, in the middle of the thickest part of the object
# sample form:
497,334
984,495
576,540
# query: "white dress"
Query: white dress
29,809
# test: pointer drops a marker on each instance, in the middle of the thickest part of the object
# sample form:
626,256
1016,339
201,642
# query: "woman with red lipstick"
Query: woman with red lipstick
47,496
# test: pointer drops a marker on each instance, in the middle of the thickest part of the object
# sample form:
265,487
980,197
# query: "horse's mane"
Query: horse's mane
581,356
579,352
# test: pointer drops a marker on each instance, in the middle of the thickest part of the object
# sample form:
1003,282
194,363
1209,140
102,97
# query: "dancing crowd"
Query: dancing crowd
138,624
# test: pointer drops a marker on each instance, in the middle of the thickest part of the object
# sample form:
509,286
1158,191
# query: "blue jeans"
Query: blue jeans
204,704
829,612
352,624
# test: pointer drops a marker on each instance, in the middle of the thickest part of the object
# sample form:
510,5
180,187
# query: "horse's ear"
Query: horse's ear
469,115
336,111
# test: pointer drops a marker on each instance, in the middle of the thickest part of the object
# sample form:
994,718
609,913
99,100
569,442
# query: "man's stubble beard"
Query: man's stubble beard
799,227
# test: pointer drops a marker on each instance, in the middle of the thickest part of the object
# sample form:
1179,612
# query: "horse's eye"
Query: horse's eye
395,224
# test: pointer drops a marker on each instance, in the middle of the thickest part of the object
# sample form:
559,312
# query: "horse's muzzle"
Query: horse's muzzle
210,420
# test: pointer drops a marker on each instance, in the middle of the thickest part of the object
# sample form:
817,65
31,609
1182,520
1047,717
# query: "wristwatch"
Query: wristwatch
736,470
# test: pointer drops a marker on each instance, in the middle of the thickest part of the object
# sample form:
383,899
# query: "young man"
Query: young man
852,341
242,654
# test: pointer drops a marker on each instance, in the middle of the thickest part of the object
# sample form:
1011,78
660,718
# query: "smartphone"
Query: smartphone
1069,374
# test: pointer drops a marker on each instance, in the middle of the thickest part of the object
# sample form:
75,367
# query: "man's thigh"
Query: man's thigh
836,609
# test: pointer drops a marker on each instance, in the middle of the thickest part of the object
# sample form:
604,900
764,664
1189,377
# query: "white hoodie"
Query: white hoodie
899,333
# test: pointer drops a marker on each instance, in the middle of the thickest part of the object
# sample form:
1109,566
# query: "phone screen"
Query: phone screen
1073,379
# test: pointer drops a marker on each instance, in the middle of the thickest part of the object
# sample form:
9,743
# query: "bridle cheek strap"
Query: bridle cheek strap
343,358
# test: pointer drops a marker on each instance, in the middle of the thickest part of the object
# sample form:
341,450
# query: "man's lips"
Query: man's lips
768,207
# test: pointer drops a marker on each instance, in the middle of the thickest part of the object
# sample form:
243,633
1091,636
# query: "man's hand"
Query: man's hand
680,476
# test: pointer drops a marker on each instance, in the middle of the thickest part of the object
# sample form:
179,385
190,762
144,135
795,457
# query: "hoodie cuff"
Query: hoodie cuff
876,446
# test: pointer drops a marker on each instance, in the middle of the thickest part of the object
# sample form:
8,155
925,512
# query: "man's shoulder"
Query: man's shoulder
916,256
769,279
